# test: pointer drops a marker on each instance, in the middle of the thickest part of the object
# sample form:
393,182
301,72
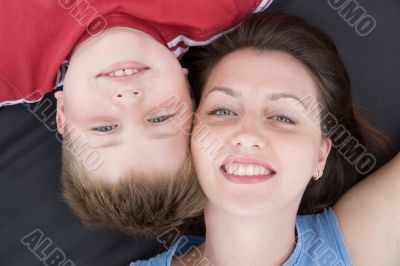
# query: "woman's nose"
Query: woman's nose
128,96
246,140
248,134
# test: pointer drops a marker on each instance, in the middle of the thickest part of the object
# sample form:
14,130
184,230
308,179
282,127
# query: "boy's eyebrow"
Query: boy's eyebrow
114,143
109,144
164,135
272,97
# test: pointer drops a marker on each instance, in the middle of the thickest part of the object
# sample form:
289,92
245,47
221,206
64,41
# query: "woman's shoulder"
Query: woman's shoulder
369,217
319,239
180,247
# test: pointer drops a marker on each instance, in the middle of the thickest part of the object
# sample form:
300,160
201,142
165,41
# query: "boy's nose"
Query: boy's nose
128,96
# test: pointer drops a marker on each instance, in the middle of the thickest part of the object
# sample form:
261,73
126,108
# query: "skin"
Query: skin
131,121
243,219
372,232
258,228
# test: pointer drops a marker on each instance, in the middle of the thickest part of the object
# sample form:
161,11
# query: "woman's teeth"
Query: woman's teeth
246,170
123,72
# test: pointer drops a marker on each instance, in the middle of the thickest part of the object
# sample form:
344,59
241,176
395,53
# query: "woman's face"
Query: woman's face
253,104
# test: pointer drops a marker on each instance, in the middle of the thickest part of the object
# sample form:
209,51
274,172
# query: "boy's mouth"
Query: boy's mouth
123,69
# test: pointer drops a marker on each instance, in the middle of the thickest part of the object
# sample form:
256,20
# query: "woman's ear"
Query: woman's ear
60,116
185,71
324,149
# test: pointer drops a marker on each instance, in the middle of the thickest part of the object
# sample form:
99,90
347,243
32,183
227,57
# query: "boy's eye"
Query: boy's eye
282,118
221,112
105,129
160,119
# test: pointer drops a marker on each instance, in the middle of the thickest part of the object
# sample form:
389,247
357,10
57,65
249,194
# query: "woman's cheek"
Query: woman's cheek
300,151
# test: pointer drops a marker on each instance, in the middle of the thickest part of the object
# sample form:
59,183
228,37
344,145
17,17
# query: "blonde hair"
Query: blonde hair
134,204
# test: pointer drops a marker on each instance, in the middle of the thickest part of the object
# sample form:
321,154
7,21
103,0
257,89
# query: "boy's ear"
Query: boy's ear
60,117
185,71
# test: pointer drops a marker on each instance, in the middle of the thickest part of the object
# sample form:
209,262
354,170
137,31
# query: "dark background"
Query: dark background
373,61
30,152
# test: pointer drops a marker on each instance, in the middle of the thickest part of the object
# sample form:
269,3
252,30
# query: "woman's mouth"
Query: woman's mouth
246,170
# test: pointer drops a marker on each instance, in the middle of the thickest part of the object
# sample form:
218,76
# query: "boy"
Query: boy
125,135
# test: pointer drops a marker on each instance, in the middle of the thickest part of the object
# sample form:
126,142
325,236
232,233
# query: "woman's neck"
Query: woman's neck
256,240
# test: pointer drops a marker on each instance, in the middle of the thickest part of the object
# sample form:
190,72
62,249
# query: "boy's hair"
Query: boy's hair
133,204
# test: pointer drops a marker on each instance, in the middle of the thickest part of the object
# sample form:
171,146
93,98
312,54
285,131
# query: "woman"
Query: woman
276,98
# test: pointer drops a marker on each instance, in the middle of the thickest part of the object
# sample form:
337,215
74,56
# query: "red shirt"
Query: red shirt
37,35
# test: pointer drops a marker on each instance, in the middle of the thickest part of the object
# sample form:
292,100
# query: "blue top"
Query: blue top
319,242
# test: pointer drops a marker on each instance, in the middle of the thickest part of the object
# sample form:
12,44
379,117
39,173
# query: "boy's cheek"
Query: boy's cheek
60,116
60,123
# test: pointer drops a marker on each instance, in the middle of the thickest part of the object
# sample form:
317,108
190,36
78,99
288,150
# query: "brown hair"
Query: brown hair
276,31
133,205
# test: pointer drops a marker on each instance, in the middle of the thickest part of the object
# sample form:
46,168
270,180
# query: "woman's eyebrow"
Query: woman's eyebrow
277,96
225,90
271,97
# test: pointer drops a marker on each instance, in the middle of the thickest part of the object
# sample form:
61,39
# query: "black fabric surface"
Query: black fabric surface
373,61
30,152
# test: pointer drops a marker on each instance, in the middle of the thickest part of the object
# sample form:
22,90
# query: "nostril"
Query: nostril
119,95
136,92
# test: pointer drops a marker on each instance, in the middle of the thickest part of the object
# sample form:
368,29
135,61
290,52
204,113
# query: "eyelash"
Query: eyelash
113,127
98,129
166,117
214,112
289,121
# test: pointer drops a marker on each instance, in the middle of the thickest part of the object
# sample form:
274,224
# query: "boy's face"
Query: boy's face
127,96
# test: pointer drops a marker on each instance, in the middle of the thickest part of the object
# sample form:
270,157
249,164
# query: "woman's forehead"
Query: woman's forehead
274,71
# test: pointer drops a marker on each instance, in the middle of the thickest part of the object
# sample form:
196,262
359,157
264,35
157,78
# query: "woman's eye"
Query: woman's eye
282,118
160,119
105,129
221,112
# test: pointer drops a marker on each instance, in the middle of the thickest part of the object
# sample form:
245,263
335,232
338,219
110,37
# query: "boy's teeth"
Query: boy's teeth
123,72
130,71
246,169
119,73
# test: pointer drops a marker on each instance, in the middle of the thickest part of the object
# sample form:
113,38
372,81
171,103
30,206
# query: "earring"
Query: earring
317,177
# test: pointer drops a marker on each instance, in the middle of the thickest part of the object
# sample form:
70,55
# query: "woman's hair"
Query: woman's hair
357,147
